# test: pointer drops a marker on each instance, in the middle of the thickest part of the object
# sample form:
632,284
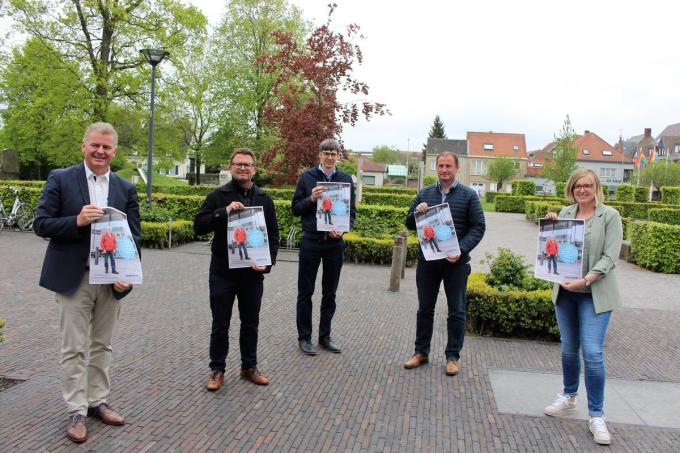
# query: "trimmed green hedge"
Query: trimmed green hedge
388,199
387,189
625,223
535,210
359,249
559,188
28,193
670,195
625,193
665,215
157,234
509,313
656,246
491,196
641,194
638,210
510,203
523,187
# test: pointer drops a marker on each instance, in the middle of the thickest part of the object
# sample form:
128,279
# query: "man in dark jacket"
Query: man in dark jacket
468,219
226,284
71,200
317,246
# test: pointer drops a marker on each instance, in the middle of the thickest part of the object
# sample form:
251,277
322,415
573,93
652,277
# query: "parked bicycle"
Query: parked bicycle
19,217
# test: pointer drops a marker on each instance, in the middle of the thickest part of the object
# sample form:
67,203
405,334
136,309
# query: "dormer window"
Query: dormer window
515,147
586,152
607,153
488,146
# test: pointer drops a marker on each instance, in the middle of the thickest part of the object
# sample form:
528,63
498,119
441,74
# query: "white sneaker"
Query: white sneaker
563,404
599,429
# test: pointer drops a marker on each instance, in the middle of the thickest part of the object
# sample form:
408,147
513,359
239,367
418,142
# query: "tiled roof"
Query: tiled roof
496,144
592,148
672,130
439,145
371,165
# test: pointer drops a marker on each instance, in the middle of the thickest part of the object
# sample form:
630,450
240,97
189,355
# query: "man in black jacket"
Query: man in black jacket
226,284
317,246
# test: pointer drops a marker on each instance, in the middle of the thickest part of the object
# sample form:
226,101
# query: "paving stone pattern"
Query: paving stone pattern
360,400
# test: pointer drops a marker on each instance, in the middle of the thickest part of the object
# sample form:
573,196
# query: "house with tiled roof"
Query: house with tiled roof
483,147
373,173
668,143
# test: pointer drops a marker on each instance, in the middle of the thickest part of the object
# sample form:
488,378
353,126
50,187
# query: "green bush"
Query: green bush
429,180
625,193
535,210
506,269
2,324
664,215
29,194
656,246
559,188
625,223
359,249
491,196
670,195
388,199
509,203
523,187
380,221
398,190
641,194
157,234
515,313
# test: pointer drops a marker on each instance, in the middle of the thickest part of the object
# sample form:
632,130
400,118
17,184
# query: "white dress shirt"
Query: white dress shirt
98,186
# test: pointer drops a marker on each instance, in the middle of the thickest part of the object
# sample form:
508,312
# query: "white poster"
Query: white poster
332,207
248,242
113,253
560,250
436,233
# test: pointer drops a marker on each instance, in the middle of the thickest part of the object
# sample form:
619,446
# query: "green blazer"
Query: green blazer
605,245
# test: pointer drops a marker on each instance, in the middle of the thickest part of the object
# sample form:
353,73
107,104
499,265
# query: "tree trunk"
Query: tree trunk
198,171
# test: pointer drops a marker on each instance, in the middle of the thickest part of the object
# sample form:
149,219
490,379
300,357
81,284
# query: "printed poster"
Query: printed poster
113,253
332,207
436,233
248,242
560,250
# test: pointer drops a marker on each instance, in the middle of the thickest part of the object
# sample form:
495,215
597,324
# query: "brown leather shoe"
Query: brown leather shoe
106,414
215,380
415,361
452,367
76,430
254,376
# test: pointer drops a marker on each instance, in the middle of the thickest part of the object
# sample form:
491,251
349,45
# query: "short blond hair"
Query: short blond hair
101,128
583,173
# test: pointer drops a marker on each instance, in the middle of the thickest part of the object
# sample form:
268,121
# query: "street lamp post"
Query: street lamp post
153,57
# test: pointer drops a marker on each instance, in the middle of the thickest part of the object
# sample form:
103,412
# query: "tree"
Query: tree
385,154
306,108
660,174
100,41
561,163
501,169
436,131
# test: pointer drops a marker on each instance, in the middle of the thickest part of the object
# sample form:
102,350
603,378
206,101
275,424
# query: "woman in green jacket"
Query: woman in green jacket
583,307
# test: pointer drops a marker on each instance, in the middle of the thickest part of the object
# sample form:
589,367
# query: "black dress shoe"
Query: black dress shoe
307,347
328,345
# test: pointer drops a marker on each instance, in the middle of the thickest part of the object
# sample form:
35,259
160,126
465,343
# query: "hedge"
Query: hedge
509,313
523,187
656,246
670,195
359,249
664,215
559,188
641,194
626,224
157,234
535,210
491,196
638,210
388,199
29,194
625,193
510,203
387,189
2,324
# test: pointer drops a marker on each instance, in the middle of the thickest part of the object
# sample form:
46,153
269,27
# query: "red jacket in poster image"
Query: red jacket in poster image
428,232
327,204
551,247
240,235
107,243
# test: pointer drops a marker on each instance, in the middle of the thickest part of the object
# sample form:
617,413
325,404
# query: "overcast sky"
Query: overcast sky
510,66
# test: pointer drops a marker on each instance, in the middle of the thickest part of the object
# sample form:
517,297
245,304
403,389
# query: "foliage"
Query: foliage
535,210
656,246
349,165
385,154
670,195
2,324
515,313
388,199
361,249
501,169
429,180
397,190
507,269
510,203
27,194
625,192
561,163
638,210
523,187
436,131
155,214
669,216
157,234
641,194
560,187
307,109
660,174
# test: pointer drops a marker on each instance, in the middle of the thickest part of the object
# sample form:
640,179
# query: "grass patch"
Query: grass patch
158,179
488,207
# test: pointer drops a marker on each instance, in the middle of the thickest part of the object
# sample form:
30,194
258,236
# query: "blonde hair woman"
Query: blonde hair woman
583,307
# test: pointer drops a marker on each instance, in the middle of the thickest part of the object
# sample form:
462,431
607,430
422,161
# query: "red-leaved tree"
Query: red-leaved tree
305,109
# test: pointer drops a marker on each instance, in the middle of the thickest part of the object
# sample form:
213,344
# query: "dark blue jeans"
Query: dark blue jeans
312,253
429,276
582,328
247,286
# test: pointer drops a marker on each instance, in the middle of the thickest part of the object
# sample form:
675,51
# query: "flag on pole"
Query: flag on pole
640,160
653,156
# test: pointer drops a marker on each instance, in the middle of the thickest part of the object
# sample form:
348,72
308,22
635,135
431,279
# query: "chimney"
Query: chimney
648,132
587,132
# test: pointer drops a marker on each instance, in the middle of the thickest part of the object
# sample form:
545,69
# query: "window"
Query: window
536,164
677,148
608,173
607,153
478,167
586,152
369,180
515,147
488,146
433,165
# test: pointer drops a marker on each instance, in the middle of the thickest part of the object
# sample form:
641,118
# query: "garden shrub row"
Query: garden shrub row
388,189
638,210
656,246
535,210
670,195
664,215
388,199
360,249
29,194
510,203
517,313
625,193
157,234
523,187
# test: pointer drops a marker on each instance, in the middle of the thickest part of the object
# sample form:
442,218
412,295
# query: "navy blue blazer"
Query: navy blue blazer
64,195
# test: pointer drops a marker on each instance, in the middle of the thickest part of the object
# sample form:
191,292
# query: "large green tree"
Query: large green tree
385,154
436,131
502,169
660,174
561,163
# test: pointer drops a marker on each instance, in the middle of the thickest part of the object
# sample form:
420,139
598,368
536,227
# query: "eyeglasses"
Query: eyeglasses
244,165
583,186
329,153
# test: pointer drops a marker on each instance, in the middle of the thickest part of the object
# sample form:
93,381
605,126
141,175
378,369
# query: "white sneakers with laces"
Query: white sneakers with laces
563,404
599,429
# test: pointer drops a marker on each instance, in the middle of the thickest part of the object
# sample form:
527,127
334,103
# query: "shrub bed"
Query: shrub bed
656,246
625,193
388,199
157,234
664,215
670,195
535,210
523,187
510,203
387,189
28,193
360,249
641,194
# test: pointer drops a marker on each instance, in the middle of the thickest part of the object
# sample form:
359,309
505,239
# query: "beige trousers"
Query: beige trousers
87,321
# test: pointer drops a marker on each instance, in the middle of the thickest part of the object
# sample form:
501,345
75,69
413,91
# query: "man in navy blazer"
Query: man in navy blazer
71,200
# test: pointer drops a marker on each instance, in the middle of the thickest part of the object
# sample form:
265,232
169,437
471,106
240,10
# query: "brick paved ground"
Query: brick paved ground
360,400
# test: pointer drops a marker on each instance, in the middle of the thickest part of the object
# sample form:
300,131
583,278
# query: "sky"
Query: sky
509,66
